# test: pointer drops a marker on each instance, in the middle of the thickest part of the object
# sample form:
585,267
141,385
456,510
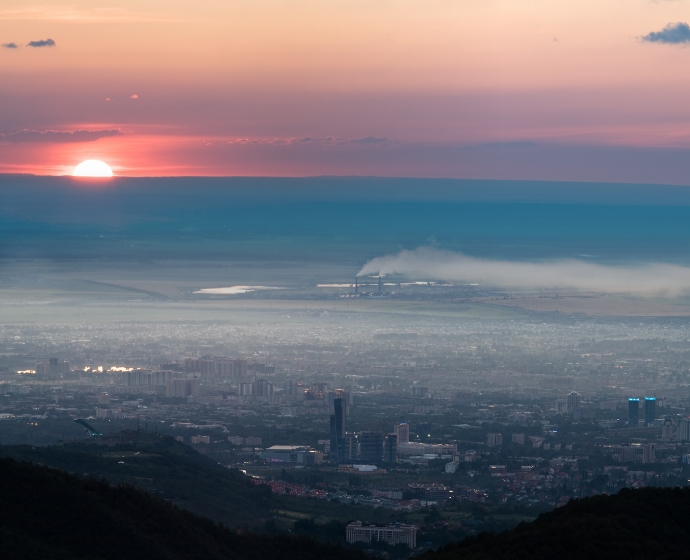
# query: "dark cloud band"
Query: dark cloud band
55,136
369,140
41,43
9,45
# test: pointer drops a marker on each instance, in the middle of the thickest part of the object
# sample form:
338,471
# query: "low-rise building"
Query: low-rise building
360,469
416,448
298,454
238,440
633,453
392,534
471,455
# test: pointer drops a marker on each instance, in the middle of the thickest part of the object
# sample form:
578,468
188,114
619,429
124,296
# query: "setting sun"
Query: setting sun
92,168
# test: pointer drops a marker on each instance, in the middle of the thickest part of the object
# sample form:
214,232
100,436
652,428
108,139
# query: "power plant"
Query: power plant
378,294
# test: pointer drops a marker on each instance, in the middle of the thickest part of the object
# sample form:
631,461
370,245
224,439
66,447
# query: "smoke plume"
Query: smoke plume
428,263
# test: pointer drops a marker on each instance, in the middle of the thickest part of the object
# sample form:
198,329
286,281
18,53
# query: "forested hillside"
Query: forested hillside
645,523
49,514
174,471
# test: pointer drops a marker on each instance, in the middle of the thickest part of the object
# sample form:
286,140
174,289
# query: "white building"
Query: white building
517,418
561,406
392,534
245,389
402,430
573,402
674,430
471,455
182,387
414,448
684,430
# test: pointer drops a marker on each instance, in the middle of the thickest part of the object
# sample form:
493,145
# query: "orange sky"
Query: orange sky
431,77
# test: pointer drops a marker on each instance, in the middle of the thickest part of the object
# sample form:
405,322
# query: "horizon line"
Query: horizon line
378,177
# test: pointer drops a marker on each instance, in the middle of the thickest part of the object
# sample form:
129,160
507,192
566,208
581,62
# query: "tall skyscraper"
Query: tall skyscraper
649,410
240,368
402,430
633,412
53,366
338,431
684,430
573,402
371,447
263,388
182,387
390,449
207,368
351,447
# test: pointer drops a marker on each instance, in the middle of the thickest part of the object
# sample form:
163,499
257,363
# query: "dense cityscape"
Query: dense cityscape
440,416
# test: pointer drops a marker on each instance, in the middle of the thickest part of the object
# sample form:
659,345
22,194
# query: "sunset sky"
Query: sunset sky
504,89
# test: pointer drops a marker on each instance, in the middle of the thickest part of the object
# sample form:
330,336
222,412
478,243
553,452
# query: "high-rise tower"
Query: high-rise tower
338,431
573,402
649,410
402,430
390,449
633,412
371,447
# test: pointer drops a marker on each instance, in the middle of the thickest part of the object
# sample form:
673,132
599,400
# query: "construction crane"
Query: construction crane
92,431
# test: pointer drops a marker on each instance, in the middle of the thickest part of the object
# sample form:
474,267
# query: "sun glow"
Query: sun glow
92,168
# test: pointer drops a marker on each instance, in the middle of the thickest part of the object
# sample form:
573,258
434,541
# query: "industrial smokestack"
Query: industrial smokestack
380,284
356,284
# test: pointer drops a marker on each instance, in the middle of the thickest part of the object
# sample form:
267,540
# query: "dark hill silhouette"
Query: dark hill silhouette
645,523
175,471
48,514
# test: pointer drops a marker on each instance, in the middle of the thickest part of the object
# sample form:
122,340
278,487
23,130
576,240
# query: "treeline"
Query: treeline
49,514
177,472
633,524
172,470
